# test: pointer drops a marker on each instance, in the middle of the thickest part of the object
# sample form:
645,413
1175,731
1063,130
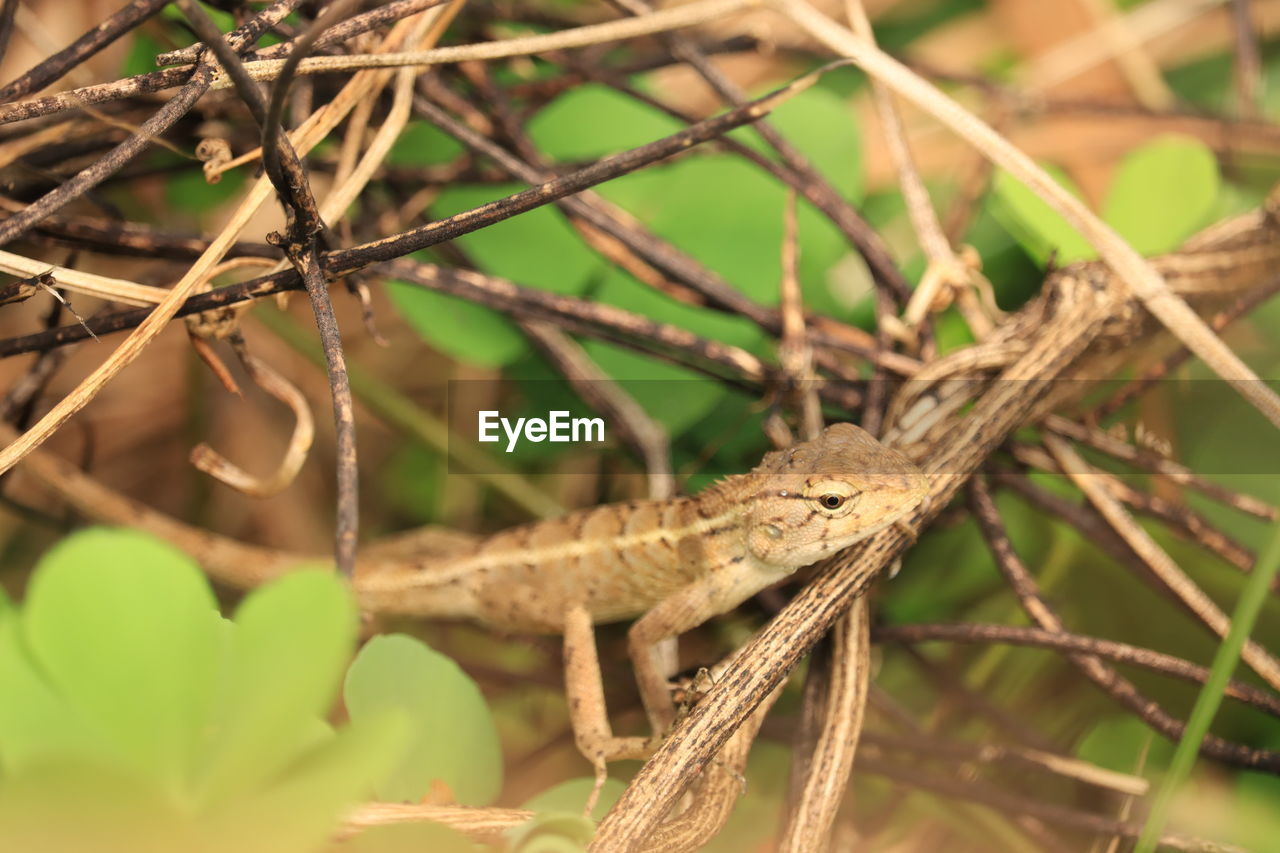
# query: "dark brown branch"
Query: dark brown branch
52,68
355,25
116,158
102,93
1119,688
348,504
1062,641
1013,804
1248,62
8,9
238,40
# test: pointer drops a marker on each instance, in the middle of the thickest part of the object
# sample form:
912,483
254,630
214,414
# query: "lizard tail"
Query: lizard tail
226,560
407,575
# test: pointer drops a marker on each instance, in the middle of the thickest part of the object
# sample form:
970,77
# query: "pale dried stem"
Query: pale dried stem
482,824
1077,55
675,18
844,711
303,140
1127,48
101,286
945,268
208,460
1137,274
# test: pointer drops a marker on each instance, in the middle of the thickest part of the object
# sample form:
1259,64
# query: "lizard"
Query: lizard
674,563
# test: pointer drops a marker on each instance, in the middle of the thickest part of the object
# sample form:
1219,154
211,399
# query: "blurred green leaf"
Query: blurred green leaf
71,805
462,330
299,809
141,58
291,641
551,832
1037,227
571,796
92,625
188,190
823,127
454,739
423,144
592,121
1162,192
536,249
1119,743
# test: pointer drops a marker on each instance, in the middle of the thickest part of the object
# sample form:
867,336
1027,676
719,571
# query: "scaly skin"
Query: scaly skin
620,560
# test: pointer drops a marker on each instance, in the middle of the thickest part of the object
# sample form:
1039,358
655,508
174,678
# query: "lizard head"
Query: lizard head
823,495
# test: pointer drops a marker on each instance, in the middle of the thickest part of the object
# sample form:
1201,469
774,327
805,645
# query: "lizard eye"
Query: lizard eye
832,501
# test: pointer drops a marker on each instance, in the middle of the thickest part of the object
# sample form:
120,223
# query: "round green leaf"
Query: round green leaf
66,805
551,832
593,121
460,329
1039,229
454,739
423,144
41,725
290,643
823,127
1162,192
535,249
125,629
299,809
571,795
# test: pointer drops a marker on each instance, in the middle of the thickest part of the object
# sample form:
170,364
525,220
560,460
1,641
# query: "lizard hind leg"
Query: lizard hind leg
584,688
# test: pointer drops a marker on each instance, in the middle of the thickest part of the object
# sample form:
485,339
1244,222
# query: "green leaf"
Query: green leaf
125,629
1037,227
454,739
823,127
42,726
188,190
423,144
551,832
673,396
535,249
571,795
1163,192
290,643
462,330
141,58
593,121
81,805
1119,743
298,811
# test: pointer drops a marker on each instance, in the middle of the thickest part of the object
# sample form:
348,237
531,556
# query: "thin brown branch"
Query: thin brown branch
1119,688
54,67
1062,641
85,180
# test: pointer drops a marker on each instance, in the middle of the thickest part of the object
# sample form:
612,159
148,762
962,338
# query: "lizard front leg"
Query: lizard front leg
682,611
584,689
